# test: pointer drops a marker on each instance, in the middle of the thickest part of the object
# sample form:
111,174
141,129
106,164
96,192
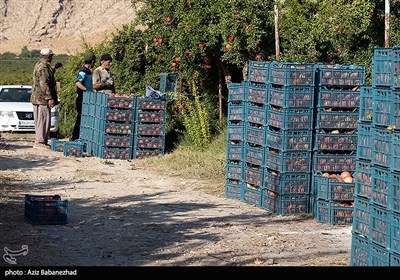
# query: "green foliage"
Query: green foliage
196,120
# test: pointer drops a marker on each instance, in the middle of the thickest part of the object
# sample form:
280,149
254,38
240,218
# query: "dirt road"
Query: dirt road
121,214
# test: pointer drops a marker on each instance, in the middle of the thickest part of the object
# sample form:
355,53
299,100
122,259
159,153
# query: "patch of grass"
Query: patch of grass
189,162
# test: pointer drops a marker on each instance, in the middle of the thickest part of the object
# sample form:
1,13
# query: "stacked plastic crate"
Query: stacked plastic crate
376,224
255,132
288,138
113,126
335,142
149,139
235,140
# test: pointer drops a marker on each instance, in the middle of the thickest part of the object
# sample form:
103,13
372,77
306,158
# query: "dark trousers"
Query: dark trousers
77,126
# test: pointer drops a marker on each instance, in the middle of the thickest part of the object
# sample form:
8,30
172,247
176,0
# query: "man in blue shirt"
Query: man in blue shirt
84,82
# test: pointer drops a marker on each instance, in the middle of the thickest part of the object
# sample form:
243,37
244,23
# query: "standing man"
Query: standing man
44,97
103,79
83,82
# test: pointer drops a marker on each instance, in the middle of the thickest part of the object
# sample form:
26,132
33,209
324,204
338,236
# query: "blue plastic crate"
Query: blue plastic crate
236,111
254,155
150,116
169,84
364,141
395,151
394,195
338,98
237,92
256,135
360,251
253,176
287,183
144,129
332,189
287,204
115,102
235,131
395,233
235,150
363,179
57,145
383,107
381,146
366,104
144,103
234,189
290,118
289,140
115,141
381,185
378,256
292,161
234,170
116,115
257,93
330,162
116,128
291,96
380,226
252,197
140,142
340,75
291,74
336,119
328,141
386,67
362,217
146,153
256,114
394,259
333,212
46,209
258,71
74,148
114,153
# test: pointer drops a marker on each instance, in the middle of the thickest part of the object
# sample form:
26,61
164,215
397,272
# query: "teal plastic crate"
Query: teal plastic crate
364,141
338,97
362,217
339,75
333,212
328,141
234,189
46,209
288,204
74,148
291,74
363,179
57,145
292,96
287,183
360,251
257,93
332,189
290,118
366,105
237,92
253,176
258,71
289,140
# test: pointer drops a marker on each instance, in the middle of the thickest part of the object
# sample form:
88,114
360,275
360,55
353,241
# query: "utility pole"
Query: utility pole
387,27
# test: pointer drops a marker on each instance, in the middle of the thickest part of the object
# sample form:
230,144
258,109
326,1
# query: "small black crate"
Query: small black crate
46,209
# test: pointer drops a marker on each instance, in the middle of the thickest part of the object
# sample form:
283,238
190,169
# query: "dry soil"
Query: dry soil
121,214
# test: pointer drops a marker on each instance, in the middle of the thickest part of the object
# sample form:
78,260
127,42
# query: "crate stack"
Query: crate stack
288,138
149,138
255,132
235,140
113,126
376,221
335,142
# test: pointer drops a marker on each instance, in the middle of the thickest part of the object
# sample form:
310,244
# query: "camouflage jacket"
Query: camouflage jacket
44,84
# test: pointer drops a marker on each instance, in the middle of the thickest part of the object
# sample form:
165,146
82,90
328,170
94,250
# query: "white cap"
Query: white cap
46,51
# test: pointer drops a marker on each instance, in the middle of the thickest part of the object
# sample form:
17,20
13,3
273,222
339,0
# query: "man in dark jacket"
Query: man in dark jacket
44,97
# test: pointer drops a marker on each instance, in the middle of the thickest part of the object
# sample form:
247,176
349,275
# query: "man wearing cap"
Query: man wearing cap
43,98
83,82
103,79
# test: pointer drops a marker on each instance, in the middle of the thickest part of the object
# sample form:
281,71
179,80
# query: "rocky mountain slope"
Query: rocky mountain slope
63,25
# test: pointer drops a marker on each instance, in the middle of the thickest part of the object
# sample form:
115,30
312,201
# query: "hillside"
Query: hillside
62,25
